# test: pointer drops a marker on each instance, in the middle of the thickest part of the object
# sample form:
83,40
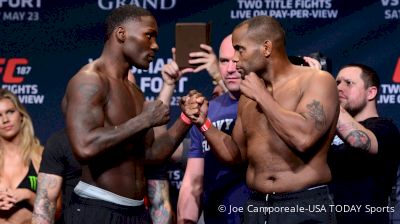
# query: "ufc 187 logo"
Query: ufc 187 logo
13,70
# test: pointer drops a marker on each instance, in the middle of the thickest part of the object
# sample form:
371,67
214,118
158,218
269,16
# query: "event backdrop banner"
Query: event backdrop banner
43,43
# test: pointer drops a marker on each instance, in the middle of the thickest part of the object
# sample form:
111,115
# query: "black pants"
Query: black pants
90,211
306,206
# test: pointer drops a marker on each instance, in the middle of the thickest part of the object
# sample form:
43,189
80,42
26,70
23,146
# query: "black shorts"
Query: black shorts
307,206
88,211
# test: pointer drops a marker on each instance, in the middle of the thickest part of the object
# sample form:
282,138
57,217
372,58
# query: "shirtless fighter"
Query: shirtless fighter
110,127
286,120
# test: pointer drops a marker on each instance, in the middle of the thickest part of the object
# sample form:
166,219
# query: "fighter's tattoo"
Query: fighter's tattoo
359,139
158,195
88,91
345,127
44,208
316,111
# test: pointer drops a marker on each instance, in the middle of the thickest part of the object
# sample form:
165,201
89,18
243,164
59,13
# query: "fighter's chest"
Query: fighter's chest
124,103
257,117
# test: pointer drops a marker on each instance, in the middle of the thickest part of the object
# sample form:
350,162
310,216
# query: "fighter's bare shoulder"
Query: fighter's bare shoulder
321,75
88,82
323,79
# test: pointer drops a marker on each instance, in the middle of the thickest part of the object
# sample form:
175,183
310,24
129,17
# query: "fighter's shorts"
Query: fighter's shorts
84,210
313,205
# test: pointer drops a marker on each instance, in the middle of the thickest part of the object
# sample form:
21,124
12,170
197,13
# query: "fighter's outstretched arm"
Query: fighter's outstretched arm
86,97
230,149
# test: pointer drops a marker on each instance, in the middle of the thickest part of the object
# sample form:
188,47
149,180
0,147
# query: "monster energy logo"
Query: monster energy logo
33,182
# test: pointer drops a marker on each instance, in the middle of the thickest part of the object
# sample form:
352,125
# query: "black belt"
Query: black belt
321,190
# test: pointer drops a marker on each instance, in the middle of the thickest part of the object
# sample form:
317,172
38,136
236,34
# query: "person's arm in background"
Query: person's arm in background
49,188
158,189
171,74
160,206
355,134
189,200
209,61
48,194
191,190
350,130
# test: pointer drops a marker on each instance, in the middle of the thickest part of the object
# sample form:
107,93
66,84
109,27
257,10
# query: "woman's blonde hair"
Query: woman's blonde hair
30,145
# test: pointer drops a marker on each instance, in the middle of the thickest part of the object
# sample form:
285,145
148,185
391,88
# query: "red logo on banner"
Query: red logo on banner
10,69
396,74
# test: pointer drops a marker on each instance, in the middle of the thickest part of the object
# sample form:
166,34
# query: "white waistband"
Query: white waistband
316,187
89,191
